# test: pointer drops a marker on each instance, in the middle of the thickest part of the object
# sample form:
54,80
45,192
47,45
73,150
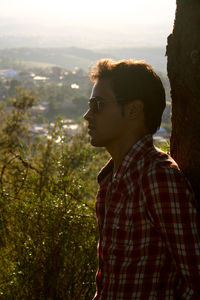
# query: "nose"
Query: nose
87,115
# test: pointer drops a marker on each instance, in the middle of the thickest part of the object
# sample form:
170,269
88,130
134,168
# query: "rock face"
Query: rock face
183,51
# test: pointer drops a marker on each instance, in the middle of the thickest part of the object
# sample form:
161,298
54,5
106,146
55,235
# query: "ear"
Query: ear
135,109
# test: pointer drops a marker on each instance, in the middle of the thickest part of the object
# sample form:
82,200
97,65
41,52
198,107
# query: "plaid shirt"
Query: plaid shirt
149,245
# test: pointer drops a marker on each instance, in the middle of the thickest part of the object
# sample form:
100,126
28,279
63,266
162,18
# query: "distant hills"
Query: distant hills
68,58
153,55
72,57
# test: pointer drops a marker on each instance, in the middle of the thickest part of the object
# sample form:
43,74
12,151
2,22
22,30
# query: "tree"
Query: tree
13,84
183,51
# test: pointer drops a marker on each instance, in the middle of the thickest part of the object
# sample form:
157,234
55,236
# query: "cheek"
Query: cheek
112,122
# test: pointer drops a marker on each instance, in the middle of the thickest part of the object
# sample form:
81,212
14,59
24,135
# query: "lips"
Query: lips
91,128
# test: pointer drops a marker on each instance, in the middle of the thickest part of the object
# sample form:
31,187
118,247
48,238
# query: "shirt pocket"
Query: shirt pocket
117,237
120,243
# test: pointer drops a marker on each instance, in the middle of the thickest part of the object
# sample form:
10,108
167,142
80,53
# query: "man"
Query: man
149,245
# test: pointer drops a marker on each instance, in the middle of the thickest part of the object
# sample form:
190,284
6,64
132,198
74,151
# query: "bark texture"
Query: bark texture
183,51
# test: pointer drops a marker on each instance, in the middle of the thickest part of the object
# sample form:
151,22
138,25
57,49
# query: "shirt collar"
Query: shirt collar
140,148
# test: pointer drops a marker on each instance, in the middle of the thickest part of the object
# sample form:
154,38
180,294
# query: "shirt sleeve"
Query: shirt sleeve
172,209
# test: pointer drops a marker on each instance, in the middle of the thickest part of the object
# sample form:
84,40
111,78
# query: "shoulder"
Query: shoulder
162,174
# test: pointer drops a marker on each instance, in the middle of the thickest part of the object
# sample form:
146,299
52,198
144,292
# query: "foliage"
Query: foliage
56,92
163,145
48,230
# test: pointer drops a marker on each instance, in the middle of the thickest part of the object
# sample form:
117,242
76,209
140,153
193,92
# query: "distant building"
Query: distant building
39,108
40,78
38,129
8,73
74,86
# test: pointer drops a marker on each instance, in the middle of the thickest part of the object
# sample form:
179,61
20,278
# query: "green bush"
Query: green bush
48,231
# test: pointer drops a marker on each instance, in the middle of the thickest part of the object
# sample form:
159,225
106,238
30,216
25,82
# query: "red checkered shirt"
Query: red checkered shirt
149,227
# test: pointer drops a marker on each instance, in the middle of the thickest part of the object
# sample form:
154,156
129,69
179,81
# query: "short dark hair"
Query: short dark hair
131,80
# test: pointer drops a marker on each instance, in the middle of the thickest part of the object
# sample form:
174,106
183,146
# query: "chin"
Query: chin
96,143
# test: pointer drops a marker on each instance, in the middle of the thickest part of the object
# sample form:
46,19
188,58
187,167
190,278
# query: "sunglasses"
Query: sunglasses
97,104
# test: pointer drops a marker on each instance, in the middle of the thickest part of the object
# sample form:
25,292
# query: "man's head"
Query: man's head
128,86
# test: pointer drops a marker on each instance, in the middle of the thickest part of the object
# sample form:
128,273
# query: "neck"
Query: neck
118,149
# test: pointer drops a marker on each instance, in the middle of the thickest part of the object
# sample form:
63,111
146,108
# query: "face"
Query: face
108,125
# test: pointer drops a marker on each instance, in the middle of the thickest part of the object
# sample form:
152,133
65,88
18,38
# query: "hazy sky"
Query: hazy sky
87,11
124,16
